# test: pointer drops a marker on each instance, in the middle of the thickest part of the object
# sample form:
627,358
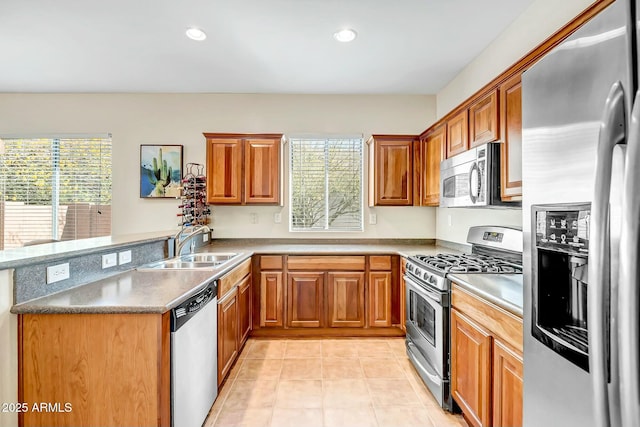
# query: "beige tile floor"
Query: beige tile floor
330,383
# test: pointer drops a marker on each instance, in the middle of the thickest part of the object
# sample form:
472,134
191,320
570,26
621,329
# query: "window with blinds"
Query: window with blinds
326,184
54,189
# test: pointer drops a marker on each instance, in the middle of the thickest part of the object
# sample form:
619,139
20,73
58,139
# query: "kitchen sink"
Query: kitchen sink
200,261
207,257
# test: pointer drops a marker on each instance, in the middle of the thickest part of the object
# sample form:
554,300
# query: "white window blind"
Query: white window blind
326,184
54,189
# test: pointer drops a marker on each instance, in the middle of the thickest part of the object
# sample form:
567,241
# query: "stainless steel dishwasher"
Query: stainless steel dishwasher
194,365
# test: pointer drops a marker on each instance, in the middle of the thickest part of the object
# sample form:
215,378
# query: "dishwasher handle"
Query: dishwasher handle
192,305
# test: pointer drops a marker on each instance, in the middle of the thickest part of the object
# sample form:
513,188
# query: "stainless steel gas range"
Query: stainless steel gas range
428,298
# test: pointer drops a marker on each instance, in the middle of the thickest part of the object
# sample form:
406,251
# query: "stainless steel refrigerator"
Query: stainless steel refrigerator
581,217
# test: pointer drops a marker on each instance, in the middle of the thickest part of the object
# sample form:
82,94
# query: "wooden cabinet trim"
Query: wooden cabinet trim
504,325
271,299
391,170
305,296
471,372
379,287
231,279
483,120
325,262
511,131
261,171
380,262
457,134
345,299
271,262
507,386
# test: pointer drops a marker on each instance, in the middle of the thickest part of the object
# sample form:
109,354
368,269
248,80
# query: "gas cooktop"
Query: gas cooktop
465,263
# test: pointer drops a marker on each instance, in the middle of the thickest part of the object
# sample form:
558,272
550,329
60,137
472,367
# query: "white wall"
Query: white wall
8,349
538,22
135,119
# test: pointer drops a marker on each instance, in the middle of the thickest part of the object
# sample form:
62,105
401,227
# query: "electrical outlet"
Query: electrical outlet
254,217
56,273
109,260
124,257
373,218
449,220
277,217
205,237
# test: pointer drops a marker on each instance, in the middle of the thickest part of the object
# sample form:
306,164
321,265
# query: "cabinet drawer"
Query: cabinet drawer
380,262
271,262
229,280
319,263
501,323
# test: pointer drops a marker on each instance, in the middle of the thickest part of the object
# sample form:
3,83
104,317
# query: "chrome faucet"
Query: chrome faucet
181,243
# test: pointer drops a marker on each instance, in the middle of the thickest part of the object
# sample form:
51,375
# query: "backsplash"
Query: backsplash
31,281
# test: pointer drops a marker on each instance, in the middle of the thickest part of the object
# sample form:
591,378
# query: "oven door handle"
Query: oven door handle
423,292
474,190
433,377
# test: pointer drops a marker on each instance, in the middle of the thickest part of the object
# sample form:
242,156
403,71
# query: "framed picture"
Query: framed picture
160,171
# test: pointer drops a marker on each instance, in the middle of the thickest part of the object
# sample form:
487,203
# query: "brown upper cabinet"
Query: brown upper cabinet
511,147
243,169
457,134
433,149
391,170
483,120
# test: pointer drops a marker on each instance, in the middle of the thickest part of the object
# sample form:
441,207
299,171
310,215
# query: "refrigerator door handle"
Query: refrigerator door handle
612,132
628,306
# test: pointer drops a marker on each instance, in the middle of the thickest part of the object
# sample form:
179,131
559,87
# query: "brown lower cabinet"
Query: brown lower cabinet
345,299
352,295
112,369
305,296
486,361
234,316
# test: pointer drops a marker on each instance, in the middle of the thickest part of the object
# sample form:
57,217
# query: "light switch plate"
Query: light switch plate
124,257
56,273
109,260
277,217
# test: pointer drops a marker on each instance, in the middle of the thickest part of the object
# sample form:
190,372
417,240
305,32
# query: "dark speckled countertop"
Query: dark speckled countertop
139,291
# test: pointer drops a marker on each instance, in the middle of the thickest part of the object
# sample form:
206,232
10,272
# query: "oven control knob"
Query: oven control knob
417,272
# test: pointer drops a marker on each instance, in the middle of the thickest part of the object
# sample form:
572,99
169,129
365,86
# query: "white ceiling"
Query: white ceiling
253,46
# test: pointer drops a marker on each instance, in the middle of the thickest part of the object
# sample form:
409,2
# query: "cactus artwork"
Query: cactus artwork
160,170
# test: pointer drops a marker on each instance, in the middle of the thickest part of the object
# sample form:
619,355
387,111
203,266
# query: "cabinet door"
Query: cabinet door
380,299
457,134
392,171
471,369
345,299
224,171
262,171
511,147
507,387
304,300
227,333
433,149
271,302
483,120
244,310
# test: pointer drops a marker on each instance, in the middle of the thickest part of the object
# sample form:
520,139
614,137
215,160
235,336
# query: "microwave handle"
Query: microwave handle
474,190
628,291
612,132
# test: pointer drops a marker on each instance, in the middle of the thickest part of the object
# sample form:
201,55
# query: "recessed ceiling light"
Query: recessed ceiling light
196,34
345,36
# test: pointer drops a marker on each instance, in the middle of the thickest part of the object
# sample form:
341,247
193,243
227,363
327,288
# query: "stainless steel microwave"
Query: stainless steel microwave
472,178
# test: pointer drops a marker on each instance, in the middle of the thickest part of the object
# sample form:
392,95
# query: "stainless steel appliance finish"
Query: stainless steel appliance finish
576,109
494,250
472,178
194,367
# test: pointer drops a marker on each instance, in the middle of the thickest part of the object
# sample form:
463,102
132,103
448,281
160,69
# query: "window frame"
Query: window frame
326,137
